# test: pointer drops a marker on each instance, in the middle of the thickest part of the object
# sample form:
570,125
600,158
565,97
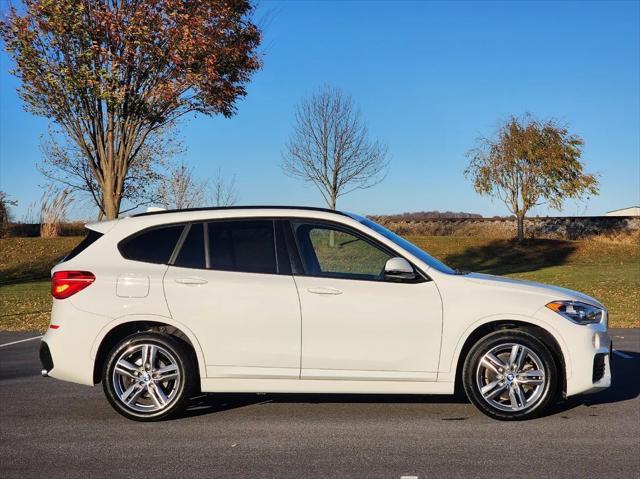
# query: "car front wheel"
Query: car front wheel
148,377
510,375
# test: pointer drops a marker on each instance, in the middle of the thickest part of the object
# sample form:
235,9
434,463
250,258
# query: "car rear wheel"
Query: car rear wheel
510,375
149,377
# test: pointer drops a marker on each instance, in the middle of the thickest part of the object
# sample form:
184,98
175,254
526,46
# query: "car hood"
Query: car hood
553,293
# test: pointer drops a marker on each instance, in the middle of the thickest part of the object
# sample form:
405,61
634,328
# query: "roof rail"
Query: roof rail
225,208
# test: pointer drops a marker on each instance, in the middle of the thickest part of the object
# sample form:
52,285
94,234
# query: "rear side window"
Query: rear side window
247,246
192,253
88,240
152,246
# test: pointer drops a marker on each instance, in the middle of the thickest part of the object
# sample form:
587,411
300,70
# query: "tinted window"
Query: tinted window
152,246
247,246
335,253
88,240
192,251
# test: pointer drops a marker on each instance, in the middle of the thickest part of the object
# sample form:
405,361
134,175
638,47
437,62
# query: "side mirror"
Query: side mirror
399,269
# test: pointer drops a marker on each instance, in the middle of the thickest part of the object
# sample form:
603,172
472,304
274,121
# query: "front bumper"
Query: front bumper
597,377
586,350
590,349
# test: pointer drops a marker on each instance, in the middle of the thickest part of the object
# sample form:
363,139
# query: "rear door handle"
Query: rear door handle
324,291
192,281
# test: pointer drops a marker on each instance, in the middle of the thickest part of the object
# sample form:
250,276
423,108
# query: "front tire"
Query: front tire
510,375
149,377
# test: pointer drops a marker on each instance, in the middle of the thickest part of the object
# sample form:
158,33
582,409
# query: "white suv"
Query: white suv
163,305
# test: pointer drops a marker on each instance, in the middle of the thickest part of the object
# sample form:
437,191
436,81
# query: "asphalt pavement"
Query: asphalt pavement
49,428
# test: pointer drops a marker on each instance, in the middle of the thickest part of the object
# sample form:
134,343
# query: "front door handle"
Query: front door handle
324,291
191,281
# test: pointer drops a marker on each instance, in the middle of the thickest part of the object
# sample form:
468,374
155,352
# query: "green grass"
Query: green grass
25,259
25,306
607,271
24,303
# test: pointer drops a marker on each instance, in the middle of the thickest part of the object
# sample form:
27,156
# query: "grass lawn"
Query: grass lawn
24,259
607,271
25,306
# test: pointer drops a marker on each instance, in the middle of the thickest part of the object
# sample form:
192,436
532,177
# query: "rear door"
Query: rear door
230,282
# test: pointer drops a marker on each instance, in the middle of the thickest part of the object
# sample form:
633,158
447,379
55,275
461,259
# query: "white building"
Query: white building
631,211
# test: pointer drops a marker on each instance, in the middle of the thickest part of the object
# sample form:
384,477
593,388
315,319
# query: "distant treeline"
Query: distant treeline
424,215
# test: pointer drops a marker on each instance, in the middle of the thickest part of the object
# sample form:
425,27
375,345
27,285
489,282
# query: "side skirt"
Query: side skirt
324,386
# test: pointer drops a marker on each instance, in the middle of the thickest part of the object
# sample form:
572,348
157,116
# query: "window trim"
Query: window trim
181,239
421,276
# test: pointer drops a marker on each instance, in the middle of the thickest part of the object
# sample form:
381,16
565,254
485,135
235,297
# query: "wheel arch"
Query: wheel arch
119,329
478,331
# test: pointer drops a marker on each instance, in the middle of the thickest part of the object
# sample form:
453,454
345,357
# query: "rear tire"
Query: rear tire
510,375
149,376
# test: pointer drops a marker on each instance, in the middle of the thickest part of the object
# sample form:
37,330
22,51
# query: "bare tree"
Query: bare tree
224,192
180,189
330,146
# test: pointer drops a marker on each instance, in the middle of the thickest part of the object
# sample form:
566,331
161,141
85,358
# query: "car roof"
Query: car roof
157,218
231,208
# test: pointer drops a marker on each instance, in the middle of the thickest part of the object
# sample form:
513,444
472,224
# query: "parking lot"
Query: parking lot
54,429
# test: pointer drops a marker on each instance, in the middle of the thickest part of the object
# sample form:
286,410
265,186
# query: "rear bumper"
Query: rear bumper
45,358
65,350
62,359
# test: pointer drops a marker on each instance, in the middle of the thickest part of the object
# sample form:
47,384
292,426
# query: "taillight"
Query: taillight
68,283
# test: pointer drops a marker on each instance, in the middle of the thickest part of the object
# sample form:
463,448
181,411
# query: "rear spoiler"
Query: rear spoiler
101,226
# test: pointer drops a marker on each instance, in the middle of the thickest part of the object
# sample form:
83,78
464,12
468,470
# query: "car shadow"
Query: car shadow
510,256
218,402
625,386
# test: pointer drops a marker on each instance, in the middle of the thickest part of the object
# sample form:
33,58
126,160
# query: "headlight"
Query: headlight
581,313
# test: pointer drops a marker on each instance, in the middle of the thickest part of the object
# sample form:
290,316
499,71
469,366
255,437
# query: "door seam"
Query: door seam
301,325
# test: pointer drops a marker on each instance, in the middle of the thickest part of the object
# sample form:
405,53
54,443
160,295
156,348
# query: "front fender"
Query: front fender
452,360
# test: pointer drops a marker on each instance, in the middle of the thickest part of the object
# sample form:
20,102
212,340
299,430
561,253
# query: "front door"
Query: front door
357,325
226,285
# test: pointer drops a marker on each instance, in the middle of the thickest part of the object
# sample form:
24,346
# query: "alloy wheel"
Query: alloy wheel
511,377
146,378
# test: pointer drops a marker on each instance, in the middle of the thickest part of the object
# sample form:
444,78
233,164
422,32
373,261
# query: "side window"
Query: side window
192,253
152,246
247,246
335,253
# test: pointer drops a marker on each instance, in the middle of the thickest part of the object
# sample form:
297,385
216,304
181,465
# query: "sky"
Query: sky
429,78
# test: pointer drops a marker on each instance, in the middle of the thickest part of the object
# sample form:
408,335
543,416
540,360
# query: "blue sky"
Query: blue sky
429,78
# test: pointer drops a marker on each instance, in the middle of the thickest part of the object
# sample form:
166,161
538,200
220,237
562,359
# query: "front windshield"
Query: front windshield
406,245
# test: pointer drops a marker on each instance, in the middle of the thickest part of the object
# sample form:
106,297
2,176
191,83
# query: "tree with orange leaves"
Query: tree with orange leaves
112,74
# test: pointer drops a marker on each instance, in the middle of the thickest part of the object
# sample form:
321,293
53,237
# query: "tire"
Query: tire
510,375
160,390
